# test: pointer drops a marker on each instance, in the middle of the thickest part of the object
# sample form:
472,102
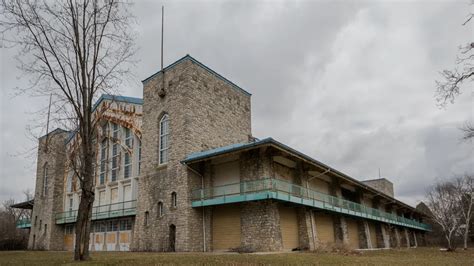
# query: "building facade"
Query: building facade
179,170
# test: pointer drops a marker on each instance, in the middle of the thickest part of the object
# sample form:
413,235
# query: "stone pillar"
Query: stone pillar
363,226
340,224
414,238
364,234
385,236
305,215
260,226
407,237
305,229
92,241
117,241
397,237
104,245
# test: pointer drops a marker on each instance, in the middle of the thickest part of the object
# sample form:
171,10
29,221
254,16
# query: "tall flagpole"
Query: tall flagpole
162,92
47,123
162,30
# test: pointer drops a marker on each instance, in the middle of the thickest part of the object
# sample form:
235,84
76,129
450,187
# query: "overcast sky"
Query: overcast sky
351,84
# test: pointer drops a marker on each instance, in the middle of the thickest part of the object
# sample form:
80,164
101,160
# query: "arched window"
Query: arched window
160,209
164,139
174,200
45,179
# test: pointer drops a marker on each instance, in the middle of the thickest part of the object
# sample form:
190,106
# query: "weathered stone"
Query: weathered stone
44,233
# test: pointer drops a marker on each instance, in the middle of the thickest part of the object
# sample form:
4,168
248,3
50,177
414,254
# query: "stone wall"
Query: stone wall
44,233
205,112
382,185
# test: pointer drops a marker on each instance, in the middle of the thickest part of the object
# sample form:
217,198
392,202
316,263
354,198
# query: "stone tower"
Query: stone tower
50,171
204,111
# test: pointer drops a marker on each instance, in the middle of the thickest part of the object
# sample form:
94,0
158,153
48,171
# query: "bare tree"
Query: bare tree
465,197
74,50
444,206
449,87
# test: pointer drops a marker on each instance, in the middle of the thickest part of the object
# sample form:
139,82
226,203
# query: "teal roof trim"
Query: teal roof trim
117,98
188,57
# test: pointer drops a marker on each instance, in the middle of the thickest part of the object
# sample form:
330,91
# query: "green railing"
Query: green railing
120,209
23,223
283,190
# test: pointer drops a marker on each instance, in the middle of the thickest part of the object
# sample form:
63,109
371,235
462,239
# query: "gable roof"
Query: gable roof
117,98
54,132
110,97
208,69
204,155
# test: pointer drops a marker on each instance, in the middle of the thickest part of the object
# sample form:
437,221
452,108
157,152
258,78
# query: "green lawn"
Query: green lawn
419,256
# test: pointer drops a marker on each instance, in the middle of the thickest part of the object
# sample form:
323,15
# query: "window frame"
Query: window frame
160,209
174,199
127,166
103,161
115,152
164,145
45,179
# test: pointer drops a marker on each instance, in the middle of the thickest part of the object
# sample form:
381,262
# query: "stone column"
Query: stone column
414,237
104,245
407,237
397,237
340,224
305,229
117,241
363,226
260,226
364,235
385,236
305,219
92,241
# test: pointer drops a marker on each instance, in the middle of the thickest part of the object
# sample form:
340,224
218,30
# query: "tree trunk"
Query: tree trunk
84,215
466,234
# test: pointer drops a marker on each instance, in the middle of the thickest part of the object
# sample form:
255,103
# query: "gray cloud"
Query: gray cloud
351,84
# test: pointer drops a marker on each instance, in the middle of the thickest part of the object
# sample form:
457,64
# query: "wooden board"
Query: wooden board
69,242
319,185
225,227
111,238
324,227
289,228
353,233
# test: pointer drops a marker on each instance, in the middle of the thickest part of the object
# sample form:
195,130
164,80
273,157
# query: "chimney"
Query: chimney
382,185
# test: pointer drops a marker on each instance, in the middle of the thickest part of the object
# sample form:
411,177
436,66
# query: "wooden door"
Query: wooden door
226,227
324,227
289,228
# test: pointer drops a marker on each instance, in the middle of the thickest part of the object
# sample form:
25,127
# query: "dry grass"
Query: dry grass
419,256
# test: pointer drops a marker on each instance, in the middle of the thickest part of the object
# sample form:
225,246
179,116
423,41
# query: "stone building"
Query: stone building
181,171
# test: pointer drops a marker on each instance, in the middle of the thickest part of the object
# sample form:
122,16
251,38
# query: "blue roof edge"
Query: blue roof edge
222,150
194,60
117,98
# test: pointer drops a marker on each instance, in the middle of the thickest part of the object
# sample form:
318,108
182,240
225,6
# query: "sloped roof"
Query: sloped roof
24,205
110,97
205,155
208,69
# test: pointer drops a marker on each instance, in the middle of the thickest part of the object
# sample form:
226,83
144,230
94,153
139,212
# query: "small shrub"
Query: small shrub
243,249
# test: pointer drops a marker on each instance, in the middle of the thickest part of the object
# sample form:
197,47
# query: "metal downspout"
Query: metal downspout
203,209
311,216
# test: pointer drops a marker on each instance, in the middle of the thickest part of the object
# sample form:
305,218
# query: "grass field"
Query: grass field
419,256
